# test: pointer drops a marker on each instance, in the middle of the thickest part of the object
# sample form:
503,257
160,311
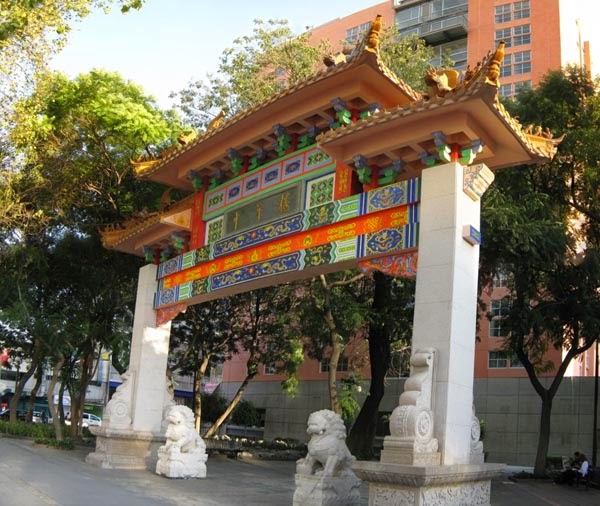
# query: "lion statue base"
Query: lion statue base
325,477
184,454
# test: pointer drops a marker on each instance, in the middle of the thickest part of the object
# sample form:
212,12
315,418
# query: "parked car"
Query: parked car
90,420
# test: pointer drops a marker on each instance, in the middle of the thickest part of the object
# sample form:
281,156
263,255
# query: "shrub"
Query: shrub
213,406
65,444
24,429
245,414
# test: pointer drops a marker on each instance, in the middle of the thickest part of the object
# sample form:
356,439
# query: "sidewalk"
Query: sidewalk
32,475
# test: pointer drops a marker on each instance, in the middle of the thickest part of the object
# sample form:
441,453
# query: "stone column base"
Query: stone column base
125,449
312,490
453,485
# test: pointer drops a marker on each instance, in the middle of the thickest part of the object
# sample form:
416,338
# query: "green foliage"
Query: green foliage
213,406
566,102
541,226
408,57
23,429
64,444
245,414
350,387
31,31
73,141
253,70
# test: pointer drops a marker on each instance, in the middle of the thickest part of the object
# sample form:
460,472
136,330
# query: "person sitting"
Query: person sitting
578,468
584,467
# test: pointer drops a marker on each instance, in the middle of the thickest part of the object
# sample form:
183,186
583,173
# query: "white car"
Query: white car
90,420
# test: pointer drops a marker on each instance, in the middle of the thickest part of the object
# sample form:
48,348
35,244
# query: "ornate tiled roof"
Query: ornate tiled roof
480,82
362,53
117,234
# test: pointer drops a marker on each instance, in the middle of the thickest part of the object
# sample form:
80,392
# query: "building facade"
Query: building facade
540,34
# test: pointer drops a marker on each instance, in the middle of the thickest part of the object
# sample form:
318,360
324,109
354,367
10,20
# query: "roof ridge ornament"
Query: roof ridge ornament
493,72
373,35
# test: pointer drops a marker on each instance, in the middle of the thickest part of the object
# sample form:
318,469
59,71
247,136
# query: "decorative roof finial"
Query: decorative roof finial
494,66
373,36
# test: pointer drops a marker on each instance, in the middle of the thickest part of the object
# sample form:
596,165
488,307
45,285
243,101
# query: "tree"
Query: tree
255,68
408,57
567,102
389,323
541,228
329,315
201,336
71,143
260,322
31,31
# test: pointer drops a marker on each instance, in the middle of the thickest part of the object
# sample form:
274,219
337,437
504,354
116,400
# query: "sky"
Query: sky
168,43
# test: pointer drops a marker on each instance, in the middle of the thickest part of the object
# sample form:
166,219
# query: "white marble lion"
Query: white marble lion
328,454
184,454
181,434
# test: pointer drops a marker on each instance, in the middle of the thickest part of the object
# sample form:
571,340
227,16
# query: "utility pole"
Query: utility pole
595,424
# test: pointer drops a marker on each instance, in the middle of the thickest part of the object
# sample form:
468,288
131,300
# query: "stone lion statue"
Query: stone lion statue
328,454
184,454
181,433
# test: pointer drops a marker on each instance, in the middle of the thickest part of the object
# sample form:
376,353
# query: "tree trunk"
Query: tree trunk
87,363
39,373
61,405
14,402
56,420
336,349
198,390
361,437
544,438
234,402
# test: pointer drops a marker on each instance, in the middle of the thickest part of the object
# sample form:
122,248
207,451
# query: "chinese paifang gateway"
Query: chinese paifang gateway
323,176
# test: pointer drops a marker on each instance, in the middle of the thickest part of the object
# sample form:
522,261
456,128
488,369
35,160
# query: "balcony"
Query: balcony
438,31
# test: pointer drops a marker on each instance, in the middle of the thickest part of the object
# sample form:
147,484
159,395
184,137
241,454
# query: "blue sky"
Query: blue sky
169,42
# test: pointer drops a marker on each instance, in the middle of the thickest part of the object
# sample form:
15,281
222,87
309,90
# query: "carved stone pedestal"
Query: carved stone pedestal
124,449
181,465
327,491
446,485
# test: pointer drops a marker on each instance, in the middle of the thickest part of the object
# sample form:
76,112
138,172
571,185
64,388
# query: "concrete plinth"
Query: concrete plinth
125,449
313,490
446,485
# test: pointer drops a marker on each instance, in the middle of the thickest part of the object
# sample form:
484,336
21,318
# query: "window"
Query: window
522,85
354,33
270,369
502,13
521,10
408,17
500,278
507,12
505,90
504,34
342,364
522,62
522,35
506,68
515,363
498,314
497,360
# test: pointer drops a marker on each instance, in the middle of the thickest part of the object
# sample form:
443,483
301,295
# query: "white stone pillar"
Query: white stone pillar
131,431
148,357
446,304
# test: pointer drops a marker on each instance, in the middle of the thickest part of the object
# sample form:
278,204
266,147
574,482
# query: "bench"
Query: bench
230,448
